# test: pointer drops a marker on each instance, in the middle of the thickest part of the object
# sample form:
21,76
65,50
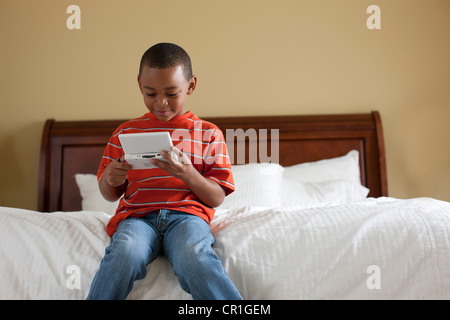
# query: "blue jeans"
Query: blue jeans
185,240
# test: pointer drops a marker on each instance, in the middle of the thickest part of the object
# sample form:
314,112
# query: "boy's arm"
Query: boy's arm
207,190
112,184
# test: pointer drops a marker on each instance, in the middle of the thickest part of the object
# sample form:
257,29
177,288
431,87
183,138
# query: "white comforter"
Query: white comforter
381,248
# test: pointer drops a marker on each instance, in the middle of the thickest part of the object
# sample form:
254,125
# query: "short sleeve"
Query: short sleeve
217,165
112,152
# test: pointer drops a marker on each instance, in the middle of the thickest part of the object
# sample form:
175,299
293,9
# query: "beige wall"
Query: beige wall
251,58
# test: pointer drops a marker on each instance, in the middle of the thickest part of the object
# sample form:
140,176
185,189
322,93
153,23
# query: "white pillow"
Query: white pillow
340,168
92,199
294,192
335,180
257,184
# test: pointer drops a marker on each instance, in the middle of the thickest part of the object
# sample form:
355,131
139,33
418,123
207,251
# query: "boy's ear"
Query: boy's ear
139,83
192,85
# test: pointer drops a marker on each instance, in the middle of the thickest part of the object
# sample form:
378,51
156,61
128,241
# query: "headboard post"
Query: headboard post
382,153
44,165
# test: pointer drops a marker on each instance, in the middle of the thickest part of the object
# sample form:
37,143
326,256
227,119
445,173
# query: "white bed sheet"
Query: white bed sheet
402,247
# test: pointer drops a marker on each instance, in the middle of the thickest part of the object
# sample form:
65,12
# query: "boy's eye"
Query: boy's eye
171,95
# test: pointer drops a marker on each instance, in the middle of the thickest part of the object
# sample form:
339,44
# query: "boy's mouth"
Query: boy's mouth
162,112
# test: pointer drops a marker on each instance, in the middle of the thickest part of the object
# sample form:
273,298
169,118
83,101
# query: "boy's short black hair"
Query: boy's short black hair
166,55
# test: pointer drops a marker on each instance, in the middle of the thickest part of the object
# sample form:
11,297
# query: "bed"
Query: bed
311,221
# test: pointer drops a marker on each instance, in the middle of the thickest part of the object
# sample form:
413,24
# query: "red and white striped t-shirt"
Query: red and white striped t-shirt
152,189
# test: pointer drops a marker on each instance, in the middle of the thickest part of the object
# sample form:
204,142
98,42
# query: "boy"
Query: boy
166,209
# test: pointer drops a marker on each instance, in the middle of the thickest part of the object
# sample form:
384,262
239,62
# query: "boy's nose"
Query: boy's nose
162,102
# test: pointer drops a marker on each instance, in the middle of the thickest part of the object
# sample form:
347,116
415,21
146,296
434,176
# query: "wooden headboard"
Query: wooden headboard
70,147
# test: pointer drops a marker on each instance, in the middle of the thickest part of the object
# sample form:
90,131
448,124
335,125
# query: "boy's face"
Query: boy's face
165,90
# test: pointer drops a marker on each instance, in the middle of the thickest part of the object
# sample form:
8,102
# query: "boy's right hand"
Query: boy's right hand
115,173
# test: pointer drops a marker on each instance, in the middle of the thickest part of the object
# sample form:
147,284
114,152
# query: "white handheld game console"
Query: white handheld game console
139,148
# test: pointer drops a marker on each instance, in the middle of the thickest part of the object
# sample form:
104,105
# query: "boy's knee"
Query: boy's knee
128,250
194,259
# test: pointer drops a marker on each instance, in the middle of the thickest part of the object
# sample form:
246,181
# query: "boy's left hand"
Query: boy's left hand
178,164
